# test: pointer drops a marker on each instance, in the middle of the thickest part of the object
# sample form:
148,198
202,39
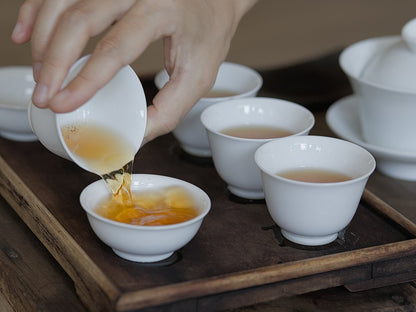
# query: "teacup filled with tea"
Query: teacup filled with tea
313,185
233,81
164,215
236,128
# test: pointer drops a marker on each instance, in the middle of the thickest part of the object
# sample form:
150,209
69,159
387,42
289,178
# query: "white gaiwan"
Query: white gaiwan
119,106
382,73
395,65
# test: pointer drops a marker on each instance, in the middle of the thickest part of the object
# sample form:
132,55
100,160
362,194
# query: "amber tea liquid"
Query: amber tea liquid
112,158
314,175
155,207
215,93
256,132
105,153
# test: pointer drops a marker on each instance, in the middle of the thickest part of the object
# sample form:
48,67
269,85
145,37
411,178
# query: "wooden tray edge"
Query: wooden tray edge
266,275
90,282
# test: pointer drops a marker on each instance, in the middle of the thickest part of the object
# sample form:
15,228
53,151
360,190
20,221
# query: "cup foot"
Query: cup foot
142,258
196,151
244,193
401,170
309,240
23,137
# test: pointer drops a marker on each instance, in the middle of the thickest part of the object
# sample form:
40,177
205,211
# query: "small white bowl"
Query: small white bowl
16,88
233,157
144,243
236,78
312,213
119,106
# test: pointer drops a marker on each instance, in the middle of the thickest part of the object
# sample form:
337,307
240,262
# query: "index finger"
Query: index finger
80,22
126,41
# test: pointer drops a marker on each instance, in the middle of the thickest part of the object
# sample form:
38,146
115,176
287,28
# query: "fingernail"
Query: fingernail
36,70
40,95
17,31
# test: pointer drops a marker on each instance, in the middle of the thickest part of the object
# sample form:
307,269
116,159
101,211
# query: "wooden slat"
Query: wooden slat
266,275
30,279
392,214
91,283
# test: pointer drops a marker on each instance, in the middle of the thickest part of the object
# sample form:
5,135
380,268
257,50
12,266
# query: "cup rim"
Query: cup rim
252,71
363,176
236,102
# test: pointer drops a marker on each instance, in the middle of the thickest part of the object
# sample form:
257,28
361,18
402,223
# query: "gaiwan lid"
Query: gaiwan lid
395,66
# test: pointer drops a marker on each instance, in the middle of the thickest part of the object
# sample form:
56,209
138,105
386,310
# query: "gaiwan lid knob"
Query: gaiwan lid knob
395,66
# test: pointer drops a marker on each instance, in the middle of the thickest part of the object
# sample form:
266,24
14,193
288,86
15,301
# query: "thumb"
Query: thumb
173,102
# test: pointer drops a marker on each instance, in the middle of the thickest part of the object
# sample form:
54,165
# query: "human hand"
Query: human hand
196,34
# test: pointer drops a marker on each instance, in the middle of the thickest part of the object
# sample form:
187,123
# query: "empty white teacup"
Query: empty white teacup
313,185
120,106
233,81
233,156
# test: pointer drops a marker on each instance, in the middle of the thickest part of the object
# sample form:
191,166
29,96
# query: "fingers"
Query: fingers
196,37
48,16
76,26
119,47
176,98
23,29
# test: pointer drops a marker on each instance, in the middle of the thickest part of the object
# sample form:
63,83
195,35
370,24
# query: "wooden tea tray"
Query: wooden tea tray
237,258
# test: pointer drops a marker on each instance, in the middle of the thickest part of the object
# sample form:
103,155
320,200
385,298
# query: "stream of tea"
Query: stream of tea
106,154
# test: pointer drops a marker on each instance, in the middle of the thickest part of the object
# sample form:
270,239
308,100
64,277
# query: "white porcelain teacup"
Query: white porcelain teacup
233,81
144,243
16,87
313,185
233,156
120,106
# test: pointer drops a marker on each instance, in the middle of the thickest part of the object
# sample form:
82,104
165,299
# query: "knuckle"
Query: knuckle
76,16
53,63
108,46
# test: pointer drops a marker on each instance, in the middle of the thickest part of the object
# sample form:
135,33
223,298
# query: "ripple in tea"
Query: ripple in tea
163,207
314,175
257,132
